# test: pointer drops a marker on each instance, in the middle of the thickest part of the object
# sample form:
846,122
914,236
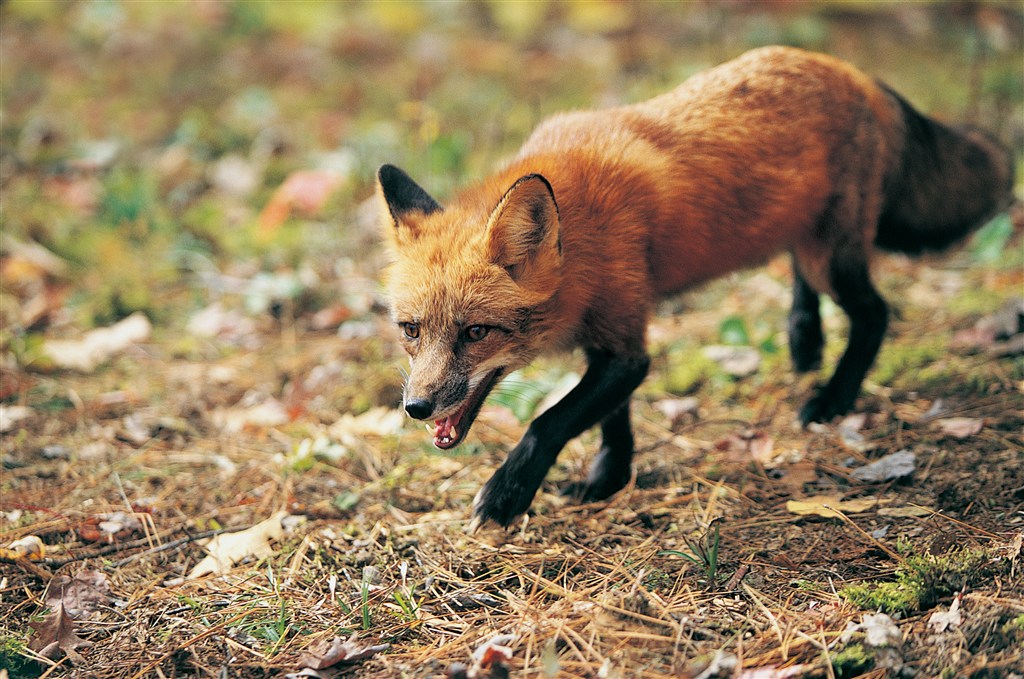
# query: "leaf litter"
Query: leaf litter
246,401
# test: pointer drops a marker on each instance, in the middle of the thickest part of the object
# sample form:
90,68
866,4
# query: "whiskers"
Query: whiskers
519,390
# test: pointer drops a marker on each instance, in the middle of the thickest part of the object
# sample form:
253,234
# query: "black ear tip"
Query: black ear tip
402,193
387,171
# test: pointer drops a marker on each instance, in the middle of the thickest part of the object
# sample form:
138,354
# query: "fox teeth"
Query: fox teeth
429,428
454,434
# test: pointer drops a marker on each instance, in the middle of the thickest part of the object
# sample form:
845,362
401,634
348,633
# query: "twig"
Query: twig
177,543
896,557
118,547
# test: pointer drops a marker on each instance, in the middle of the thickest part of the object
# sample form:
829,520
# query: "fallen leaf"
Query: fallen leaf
227,325
879,631
330,317
1014,546
893,466
735,361
55,633
993,332
304,191
492,656
676,409
827,505
798,474
68,599
722,665
96,346
330,652
746,445
12,415
81,595
267,413
380,421
109,528
960,427
941,621
849,432
29,547
227,549
904,512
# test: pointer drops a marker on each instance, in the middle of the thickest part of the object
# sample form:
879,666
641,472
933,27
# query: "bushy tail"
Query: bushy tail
949,181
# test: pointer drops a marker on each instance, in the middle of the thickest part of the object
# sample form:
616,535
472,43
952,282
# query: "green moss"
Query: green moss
888,596
15,657
1014,628
852,661
899,362
921,580
688,373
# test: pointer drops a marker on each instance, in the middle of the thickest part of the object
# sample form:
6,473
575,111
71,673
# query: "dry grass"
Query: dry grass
126,130
608,589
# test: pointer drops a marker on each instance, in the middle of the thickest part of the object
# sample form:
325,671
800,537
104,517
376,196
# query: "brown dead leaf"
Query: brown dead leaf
330,317
55,633
960,427
829,506
109,528
81,596
304,191
746,445
798,474
227,549
69,599
330,652
904,512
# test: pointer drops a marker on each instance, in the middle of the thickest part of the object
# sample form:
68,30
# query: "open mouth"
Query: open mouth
449,431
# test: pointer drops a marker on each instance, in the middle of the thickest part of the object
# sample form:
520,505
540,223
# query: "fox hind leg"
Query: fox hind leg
869,317
805,336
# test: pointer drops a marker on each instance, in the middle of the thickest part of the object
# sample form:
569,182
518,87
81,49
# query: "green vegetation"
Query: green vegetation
703,552
15,657
853,660
924,579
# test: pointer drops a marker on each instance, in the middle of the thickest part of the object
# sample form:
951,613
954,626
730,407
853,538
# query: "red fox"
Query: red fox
602,212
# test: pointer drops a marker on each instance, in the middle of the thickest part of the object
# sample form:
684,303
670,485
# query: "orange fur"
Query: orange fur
603,212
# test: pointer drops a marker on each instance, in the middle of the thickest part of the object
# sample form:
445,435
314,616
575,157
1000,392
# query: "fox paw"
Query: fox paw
502,500
823,408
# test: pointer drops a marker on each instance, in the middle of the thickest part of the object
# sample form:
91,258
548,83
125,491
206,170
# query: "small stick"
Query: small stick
863,532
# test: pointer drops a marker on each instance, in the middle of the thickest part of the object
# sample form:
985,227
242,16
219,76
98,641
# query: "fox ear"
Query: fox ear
523,232
403,195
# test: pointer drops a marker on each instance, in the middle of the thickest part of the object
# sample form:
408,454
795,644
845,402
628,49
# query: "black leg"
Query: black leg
607,384
612,468
869,317
805,337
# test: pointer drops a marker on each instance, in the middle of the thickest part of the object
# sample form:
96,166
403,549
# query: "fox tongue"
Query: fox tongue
444,429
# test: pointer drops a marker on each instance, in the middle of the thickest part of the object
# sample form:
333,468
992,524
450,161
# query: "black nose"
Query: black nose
420,408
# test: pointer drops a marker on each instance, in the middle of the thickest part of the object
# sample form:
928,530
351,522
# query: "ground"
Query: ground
247,387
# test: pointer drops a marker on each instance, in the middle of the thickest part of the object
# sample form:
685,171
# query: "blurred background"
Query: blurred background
210,164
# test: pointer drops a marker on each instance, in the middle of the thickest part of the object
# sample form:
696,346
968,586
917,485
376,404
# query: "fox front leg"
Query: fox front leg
604,390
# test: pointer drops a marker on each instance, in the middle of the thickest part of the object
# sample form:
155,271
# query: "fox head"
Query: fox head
467,287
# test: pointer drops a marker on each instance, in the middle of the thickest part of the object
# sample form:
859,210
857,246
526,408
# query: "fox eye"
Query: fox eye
475,333
411,330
